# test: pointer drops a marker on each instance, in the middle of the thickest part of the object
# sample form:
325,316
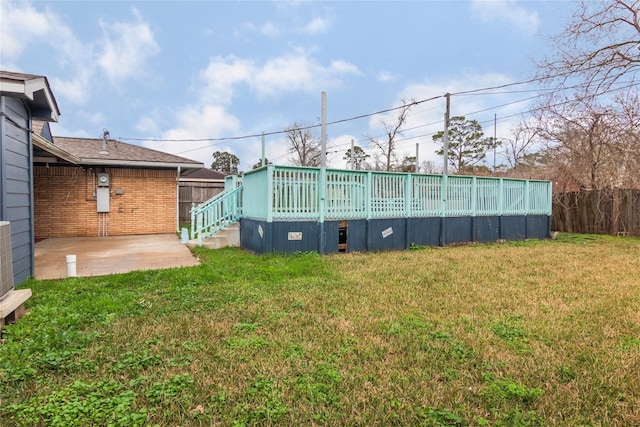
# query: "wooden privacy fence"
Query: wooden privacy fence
615,212
197,193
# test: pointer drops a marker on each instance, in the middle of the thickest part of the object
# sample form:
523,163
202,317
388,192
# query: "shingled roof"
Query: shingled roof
90,151
203,175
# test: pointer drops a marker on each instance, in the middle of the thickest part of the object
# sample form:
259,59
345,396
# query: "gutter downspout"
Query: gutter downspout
178,201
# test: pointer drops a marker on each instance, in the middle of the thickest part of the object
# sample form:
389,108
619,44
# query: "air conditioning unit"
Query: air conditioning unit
103,180
6,259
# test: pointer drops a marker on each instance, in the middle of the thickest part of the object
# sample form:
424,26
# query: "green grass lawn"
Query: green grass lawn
533,333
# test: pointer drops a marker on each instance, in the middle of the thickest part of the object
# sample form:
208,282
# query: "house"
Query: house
103,187
23,99
197,186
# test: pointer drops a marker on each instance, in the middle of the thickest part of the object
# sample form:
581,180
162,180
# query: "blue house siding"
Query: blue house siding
16,197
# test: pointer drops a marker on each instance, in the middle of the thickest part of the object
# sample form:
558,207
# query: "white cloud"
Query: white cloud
297,71
126,47
508,11
203,122
343,67
21,24
147,126
316,26
76,89
269,29
195,122
385,76
291,72
221,75
98,119
24,26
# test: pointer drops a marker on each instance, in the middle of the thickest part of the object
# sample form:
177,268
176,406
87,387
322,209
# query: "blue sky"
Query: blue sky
193,70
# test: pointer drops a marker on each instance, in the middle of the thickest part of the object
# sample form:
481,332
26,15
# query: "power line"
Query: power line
501,119
475,92
235,138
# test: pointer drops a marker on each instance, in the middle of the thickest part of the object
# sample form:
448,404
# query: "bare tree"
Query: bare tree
591,118
522,151
387,146
304,145
583,143
600,45
627,143
427,166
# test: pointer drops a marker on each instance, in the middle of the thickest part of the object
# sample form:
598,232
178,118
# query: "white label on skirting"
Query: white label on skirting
260,231
387,232
295,235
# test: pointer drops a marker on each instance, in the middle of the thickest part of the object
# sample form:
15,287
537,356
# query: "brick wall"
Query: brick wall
65,202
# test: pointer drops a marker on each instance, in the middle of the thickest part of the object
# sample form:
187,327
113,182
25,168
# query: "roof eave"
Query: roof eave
42,143
37,93
187,179
141,164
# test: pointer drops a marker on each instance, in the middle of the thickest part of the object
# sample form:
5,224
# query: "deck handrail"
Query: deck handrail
304,193
216,213
299,193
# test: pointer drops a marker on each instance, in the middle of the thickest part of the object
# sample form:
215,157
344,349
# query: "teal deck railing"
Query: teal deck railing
217,213
299,193
302,193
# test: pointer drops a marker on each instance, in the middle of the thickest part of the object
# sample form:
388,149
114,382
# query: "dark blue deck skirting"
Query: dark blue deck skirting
261,237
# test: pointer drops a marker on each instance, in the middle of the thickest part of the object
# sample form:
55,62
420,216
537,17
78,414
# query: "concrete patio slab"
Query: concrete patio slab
98,256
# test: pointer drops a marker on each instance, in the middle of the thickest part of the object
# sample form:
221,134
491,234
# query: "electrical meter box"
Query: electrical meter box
103,180
102,197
